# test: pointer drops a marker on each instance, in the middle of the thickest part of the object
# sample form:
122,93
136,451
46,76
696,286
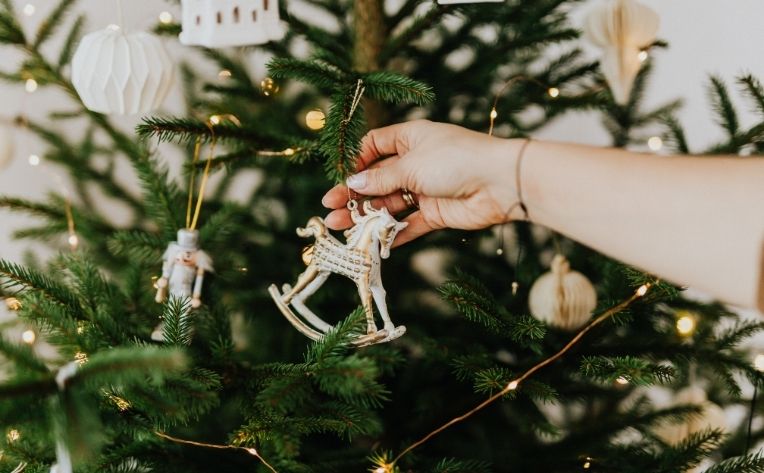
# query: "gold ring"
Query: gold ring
409,199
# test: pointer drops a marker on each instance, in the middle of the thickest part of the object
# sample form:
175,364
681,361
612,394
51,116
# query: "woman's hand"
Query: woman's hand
461,178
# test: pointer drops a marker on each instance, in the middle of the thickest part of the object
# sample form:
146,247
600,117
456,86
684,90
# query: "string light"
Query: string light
34,160
30,85
81,358
165,18
655,143
758,362
515,287
13,435
642,56
587,463
13,304
80,327
215,119
685,324
224,74
513,385
315,119
499,251
642,290
269,87
121,403
29,9
494,114
74,241
553,92
248,450
28,337
622,380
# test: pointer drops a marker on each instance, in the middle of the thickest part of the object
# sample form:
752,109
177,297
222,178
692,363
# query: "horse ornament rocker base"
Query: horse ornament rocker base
368,242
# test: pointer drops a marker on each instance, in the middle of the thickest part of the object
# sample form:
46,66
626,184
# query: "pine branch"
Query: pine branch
413,31
13,275
49,25
318,74
137,245
11,31
340,141
753,463
72,39
23,355
394,88
336,342
636,370
675,134
176,316
180,130
722,105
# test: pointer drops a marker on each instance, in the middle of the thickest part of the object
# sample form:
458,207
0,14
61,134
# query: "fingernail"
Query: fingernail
324,201
357,181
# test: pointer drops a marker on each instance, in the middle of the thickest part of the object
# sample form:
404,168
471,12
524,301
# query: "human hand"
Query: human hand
196,303
462,179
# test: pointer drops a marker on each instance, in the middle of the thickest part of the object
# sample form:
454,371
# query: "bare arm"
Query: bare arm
696,221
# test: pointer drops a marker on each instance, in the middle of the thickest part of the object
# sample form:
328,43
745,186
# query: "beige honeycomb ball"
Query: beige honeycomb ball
562,298
711,418
7,147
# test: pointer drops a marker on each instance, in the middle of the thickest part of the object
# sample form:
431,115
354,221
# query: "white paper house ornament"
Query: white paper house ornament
222,23
621,28
122,73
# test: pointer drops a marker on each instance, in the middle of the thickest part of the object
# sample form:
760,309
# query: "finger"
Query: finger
381,142
337,197
394,203
417,227
379,181
339,220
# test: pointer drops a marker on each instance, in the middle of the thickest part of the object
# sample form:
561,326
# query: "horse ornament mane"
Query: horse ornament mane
368,242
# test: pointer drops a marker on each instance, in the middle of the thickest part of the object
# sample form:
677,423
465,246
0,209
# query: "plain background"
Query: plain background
705,37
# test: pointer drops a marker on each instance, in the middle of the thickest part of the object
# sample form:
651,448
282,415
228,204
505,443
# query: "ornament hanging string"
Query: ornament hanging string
357,96
191,222
250,451
120,15
514,384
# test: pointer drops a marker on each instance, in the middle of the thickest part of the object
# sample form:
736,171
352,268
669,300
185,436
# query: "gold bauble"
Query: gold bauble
315,119
269,87
562,298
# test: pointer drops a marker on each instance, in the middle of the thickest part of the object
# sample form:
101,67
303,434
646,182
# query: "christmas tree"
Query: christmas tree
476,384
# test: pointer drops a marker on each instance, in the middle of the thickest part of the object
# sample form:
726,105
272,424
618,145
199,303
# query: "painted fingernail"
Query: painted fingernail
357,181
325,200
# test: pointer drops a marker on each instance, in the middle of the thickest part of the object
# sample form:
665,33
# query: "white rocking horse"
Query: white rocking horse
369,240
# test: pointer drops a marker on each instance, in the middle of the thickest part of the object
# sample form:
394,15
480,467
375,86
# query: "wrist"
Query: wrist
511,180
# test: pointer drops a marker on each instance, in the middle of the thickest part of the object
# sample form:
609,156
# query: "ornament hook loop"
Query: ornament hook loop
352,205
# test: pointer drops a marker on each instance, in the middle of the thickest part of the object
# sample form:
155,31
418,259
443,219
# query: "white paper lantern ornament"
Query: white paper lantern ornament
622,29
562,298
712,417
120,73
223,23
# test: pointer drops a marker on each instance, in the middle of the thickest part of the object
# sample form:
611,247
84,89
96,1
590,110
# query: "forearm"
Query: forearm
695,221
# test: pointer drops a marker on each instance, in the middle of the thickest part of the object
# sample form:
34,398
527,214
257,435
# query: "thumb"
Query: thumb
378,181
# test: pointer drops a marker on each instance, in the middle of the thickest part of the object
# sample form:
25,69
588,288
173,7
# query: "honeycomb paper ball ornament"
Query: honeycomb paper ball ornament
562,298
7,147
711,418
621,28
120,73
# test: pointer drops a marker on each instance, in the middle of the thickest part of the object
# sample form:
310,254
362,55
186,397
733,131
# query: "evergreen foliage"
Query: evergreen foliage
234,372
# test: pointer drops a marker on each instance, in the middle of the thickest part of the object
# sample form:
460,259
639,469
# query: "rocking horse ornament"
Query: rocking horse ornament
368,242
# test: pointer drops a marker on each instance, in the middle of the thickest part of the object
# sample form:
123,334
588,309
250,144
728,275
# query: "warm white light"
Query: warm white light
655,143
288,152
512,386
252,451
315,119
642,290
165,18
13,304
642,56
30,85
74,241
28,337
685,324
381,469
29,9
224,74
34,160
81,358
215,119
515,287
758,362
622,380
499,251
13,435
553,92
494,113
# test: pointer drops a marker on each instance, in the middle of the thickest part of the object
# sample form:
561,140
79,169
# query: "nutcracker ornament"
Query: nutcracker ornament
359,259
182,272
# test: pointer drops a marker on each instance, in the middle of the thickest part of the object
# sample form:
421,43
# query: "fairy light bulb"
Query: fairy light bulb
655,143
165,18
494,113
30,85
74,241
13,304
215,119
758,362
81,358
224,74
499,251
622,380
288,152
642,56
29,9
315,120
512,386
587,463
515,287
642,290
13,435
685,324
553,92
34,160
28,337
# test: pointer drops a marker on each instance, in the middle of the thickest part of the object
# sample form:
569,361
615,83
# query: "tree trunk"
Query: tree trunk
370,36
